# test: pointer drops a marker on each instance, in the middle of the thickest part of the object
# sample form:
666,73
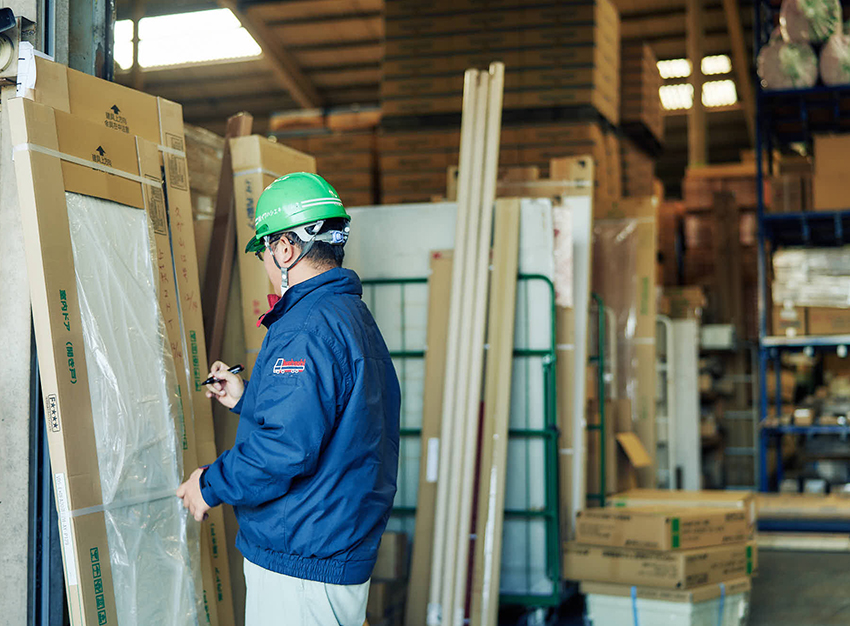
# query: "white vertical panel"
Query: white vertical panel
686,402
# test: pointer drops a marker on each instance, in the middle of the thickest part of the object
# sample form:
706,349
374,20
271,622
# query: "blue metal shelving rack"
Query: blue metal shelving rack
784,118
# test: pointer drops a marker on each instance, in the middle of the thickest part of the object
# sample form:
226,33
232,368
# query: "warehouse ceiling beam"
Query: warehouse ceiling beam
741,64
284,66
697,121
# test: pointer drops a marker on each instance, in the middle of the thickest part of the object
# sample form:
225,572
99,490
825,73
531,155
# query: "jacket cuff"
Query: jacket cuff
208,492
238,406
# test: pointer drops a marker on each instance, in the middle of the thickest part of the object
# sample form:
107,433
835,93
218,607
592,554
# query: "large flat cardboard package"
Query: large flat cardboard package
830,179
744,500
661,528
124,112
669,570
257,162
96,240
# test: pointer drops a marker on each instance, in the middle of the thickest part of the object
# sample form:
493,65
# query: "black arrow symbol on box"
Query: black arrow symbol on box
115,109
100,151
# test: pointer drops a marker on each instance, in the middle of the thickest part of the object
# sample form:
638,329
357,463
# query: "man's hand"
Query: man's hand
190,493
229,390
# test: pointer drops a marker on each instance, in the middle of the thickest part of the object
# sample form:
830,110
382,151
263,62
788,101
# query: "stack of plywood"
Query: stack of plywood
640,101
556,55
684,561
413,163
345,159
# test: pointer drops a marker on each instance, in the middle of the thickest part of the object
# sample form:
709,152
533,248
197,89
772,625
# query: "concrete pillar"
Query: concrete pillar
15,412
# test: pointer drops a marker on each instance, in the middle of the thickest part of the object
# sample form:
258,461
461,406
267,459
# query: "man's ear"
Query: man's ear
286,252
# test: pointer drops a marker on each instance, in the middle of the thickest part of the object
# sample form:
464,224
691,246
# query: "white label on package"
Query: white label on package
431,469
65,528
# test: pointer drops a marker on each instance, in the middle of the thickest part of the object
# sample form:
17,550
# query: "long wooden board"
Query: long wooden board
497,402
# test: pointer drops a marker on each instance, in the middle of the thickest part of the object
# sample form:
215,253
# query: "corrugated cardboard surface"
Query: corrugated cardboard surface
716,498
56,311
667,570
661,528
692,596
123,111
257,162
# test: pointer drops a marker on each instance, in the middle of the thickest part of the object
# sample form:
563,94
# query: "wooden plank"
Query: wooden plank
697,121
492,134
497,402
222,244
283,64
347,30
305,9
447,440
741,63
465,353
439,291
827,542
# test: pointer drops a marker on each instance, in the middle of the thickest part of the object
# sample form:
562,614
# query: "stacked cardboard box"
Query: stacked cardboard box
668,550
388,590
345,159
809,291
413,164
638,169
830,176
556,55
640,81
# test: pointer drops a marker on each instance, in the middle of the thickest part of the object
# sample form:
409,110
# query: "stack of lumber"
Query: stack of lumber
464,364
638,169
556,55
640,100
346,159
655,555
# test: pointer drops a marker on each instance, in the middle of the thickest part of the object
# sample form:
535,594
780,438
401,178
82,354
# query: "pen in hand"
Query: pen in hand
233,370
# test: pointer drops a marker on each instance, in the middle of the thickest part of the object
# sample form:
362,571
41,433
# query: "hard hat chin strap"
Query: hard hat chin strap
309,235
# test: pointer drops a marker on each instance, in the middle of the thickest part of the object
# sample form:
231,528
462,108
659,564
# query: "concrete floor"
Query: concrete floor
801,589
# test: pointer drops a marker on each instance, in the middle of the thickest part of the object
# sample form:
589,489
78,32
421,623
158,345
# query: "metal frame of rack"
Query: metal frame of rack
549,434
783,118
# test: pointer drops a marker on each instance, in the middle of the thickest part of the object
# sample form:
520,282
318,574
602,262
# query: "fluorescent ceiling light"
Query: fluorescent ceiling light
717,64
675,97
675,68
719,93
183,38
681,68
715,93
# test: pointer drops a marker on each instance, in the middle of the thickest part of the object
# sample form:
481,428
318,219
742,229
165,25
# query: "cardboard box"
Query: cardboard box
683,302
386,602
789,321
126,112
690,596
831,172
392,557
661,527
667,570
802,506
257,162
743,500
828,321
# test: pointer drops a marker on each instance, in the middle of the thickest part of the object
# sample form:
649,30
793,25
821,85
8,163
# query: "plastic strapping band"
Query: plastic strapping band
162,494
31,147
634,605
257,170
174,151
722,604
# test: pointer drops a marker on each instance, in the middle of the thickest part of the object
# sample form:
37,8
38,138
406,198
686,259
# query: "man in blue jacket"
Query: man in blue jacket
312,475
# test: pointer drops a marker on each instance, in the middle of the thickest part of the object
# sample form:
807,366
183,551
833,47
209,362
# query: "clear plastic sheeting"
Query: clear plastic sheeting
835,60
816,277
135,406
809,21
783,65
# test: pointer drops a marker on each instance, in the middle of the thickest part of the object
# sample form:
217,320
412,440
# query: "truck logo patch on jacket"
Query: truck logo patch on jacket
283,366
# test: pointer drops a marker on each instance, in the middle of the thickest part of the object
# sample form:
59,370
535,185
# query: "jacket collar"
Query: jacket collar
337,280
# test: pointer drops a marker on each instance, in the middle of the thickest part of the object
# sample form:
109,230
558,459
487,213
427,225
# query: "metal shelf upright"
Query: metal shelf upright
784,118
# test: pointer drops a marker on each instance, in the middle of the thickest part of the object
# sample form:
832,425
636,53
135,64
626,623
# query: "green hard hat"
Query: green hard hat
291,201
